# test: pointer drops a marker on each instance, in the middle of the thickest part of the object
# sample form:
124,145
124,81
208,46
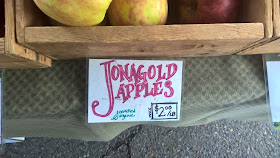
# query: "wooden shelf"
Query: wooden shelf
148,41
34,32
13,55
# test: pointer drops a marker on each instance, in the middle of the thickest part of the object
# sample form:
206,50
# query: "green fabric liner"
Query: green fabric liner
51,102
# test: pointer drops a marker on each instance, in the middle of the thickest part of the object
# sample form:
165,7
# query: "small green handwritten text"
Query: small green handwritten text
122,114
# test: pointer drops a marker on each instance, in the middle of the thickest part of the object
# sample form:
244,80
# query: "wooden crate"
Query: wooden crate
272,45
34,31
13,55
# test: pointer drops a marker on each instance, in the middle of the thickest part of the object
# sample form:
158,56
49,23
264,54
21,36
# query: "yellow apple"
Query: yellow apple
138,12
75,12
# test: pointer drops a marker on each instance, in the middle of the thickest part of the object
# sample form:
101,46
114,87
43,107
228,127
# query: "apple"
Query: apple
75,12
208,11
56,23
138,12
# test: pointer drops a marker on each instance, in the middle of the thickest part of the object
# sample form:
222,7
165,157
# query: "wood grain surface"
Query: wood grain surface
273,44
13,55
149,41
276,18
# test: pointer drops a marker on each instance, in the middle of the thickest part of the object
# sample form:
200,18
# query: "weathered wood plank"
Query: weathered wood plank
14,55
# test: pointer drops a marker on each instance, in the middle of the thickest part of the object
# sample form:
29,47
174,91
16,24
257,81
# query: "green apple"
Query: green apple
75,12
138,12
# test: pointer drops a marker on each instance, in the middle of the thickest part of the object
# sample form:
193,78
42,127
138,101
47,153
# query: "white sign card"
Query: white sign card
134,90
1,106
273,78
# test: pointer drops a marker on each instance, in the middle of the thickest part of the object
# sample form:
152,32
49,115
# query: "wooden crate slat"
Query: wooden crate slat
258,11
13,55
169,49
143,41
2,45
131,34
268,48
175,41
273,44
20,65
23,9
276,18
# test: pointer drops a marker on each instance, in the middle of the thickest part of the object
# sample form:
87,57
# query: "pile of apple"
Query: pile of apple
139,12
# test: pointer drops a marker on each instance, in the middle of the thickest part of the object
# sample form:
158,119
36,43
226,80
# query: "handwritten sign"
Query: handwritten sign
1,107
134,90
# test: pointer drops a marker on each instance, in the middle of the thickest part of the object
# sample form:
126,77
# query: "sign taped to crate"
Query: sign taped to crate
134,90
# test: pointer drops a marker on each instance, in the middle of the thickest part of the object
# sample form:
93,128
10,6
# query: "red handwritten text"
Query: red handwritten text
137,82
